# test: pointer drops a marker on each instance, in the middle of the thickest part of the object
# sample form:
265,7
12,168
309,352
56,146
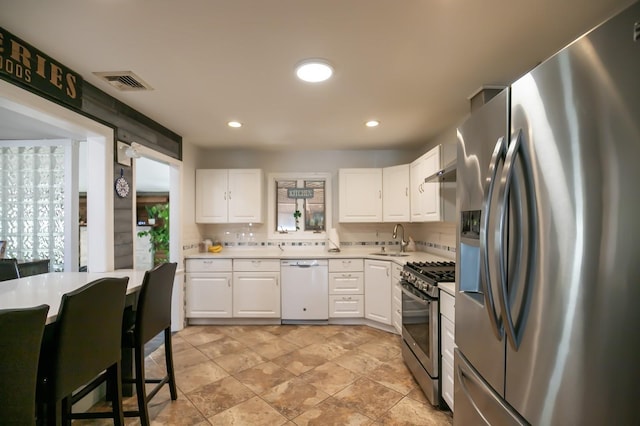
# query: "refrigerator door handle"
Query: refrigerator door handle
499,153
515,336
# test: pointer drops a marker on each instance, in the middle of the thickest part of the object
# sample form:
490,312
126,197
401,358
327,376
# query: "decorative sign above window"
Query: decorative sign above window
21,62
300,193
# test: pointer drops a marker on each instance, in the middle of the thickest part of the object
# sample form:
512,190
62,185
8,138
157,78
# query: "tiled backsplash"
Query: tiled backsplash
438,238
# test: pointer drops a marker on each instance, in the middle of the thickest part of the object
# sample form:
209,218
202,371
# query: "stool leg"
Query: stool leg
127,369
168,356
140,387
65,411
115,377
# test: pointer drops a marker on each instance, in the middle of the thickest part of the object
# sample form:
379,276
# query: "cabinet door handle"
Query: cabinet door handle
225,195
406,191
228,282
229,194
379,194
277,282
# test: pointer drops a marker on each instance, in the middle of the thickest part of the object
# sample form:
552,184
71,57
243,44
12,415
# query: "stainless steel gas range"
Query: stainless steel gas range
420,322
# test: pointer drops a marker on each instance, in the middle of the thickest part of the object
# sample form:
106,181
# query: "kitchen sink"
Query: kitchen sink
390,254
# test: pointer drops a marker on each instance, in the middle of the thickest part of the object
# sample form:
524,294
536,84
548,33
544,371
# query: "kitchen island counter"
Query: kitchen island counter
48,288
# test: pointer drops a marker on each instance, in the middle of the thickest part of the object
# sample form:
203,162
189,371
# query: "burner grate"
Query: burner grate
431,272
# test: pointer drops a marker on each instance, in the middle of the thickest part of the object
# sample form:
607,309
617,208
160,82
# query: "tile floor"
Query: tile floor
288,375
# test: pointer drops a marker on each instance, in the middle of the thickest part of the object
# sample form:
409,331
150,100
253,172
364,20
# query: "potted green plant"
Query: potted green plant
159,232
296,216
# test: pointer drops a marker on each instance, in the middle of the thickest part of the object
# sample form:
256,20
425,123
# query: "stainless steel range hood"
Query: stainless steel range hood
448,174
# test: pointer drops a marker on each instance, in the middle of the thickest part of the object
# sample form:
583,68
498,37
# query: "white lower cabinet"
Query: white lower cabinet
396,298
209,295
256,288
344,306
346,288
377,291
251,288
447,336
208,288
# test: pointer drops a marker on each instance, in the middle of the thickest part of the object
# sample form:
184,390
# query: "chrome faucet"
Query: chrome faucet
403,243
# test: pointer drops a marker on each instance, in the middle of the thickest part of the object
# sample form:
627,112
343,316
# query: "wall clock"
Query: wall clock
122,186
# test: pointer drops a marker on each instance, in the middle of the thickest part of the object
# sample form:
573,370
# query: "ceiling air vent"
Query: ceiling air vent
124,80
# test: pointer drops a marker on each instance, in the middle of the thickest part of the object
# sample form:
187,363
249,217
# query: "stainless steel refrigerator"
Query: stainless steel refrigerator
548,280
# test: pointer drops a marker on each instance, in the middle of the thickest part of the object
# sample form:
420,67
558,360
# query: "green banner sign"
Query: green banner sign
300,192
19,61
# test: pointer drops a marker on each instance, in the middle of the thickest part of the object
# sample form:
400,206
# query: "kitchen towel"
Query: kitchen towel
334,240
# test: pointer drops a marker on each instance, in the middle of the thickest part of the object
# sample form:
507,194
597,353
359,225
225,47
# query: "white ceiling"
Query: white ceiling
410,64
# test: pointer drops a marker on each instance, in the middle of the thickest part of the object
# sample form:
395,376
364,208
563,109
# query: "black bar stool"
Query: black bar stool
9,269
83,350
152,316
21,331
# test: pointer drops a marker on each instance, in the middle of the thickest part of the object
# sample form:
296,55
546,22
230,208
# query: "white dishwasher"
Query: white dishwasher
305,290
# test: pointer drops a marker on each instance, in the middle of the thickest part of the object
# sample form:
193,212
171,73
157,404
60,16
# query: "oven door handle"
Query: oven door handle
418,299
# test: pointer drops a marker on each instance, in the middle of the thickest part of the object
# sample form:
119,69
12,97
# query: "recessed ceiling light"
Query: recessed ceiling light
314,70
234,124
372,123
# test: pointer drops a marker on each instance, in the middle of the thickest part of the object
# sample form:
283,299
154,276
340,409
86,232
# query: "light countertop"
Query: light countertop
317,253
448,287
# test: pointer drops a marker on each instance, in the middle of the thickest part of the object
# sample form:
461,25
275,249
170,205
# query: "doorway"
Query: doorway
151,233
157,181
38,118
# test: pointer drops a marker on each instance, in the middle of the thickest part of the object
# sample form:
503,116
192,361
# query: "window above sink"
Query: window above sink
299,205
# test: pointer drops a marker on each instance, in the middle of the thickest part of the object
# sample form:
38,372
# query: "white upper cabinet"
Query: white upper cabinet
245,195
360,195
425,197
396,202
229,195
211,196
